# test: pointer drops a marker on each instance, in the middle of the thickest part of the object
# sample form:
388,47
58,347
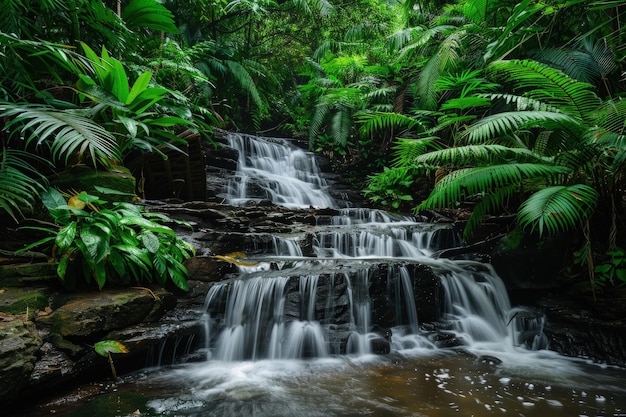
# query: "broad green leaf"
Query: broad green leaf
96,244
65,237
117,261
139,86
99,273
104,347
150,241
147,224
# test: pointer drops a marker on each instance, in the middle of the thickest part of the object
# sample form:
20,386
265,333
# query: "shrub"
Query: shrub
121,245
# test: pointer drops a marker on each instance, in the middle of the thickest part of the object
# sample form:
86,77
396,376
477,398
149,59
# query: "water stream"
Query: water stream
357,316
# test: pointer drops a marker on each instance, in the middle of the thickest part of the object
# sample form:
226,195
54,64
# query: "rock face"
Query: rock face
19,350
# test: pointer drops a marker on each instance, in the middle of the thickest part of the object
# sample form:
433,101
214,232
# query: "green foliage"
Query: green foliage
148,14
68,133
558,208
106,347
392,188
612,270
20,182
122,245
125,108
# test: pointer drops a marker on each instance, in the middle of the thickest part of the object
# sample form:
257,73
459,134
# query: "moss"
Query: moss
21,300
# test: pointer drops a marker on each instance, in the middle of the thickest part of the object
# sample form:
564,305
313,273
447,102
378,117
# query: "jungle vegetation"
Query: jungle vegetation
489,107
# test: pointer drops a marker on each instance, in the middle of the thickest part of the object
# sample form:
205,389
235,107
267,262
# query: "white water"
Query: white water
273,169
273,311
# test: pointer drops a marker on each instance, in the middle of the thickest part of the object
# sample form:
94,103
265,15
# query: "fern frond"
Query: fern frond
317,121
577,64
245,80
489,204
557,209
20,182
341,126
522,103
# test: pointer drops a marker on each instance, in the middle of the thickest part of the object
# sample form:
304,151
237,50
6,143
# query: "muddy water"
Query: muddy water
410,383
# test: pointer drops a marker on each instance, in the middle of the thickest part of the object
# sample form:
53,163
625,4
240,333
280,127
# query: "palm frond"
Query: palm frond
379,121
245,81
407,150
68,134
489,204
521,103
505,123
471,182
577,64
478,155
558,208
317,121
20,182
549,85
149,14
341,126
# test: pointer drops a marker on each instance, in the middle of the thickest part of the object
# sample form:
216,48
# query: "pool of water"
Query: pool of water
409,383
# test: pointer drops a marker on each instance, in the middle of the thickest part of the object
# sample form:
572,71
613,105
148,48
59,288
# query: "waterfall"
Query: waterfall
370,282
274,169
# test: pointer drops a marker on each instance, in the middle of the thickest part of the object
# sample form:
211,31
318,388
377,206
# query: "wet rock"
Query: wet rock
18,300
89,316
19,346
573,329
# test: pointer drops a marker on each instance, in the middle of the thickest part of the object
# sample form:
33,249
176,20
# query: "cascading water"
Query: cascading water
273,169
360,282
360,288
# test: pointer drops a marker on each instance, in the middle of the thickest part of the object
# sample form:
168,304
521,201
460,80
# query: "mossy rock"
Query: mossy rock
17,275
22,300
83,178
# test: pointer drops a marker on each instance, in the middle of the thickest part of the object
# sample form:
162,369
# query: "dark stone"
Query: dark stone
19,346
531,264
573,329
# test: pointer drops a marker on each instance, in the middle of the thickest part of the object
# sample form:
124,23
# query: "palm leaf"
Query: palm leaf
506,123
557,209
245,81
489,204
580,65
67,134
149,14
407,150
20,182
379,121
469,182
549,85
341,126
521,103
478,155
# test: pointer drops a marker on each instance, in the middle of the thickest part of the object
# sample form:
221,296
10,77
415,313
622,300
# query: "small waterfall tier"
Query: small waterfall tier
362,281
274,169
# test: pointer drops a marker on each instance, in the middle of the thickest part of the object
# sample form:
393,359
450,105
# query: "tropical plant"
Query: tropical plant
106,347
120,245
